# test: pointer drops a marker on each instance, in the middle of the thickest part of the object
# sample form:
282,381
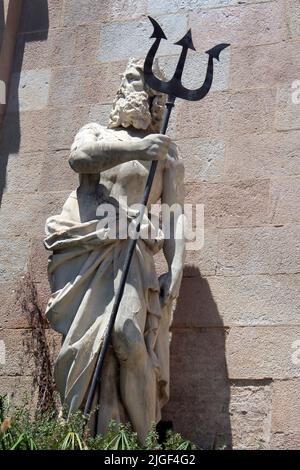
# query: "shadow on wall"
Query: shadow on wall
199,389
32,19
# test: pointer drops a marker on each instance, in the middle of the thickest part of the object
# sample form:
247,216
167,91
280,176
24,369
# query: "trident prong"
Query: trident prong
186,43
174,86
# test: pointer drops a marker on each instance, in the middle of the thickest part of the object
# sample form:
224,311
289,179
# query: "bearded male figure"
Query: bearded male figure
87,262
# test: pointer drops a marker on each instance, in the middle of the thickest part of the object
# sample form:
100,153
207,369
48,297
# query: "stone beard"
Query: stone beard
86,265
136,105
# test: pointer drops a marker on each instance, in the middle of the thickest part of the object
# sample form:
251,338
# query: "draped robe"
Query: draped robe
84,273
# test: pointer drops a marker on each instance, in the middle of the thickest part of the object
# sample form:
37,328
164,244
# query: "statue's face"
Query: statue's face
133,80
132,105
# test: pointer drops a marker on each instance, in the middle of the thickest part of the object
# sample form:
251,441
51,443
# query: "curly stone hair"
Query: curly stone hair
136,104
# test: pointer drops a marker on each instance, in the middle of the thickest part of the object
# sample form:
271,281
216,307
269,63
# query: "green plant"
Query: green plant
24,442
152,440
175,441
19,430
72,441
118,437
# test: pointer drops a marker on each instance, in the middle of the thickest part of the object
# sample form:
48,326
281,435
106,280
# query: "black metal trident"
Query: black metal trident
174,89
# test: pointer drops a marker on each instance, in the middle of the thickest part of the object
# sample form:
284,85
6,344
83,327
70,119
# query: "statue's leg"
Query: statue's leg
107,406
108,397
137,375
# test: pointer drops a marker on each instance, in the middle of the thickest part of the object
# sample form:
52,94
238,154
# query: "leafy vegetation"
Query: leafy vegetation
19,430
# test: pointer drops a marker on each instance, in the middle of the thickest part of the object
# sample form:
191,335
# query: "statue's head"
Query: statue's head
136,104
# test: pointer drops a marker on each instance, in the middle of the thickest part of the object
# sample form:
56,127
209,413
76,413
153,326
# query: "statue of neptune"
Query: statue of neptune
87,261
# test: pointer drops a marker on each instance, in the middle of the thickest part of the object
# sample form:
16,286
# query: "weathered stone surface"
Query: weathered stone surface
93,11
62,47
30,212
54,341
173,6
100,113
23,172
265,66
262,352
43,295
261,23
19,360
213,414
81,12
189,344
20,390
56,174
13,294
286,413
118,41
293,17
35,51
42,16
13,140
205,420
19,346
285,201
227,114
13,257
288,109
85,84
250,411
56,129
259,250
203,415
231,204
38,260
10,312
196,305
281,441
63,124
261,156
238,301
203,260
203,159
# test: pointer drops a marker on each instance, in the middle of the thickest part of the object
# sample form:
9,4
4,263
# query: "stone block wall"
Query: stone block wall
235,368
10,11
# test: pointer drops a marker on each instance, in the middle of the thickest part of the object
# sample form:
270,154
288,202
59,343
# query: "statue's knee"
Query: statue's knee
127,341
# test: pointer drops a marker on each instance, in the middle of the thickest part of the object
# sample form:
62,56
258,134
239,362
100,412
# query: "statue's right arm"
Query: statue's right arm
92,154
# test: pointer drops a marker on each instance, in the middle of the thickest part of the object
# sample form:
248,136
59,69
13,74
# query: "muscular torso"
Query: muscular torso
127,179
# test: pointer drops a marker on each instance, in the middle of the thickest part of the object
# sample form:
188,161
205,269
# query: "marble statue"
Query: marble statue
86,264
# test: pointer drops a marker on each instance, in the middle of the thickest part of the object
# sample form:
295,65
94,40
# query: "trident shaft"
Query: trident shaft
174,89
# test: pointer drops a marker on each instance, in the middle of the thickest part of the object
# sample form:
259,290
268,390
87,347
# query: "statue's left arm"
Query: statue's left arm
173,207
